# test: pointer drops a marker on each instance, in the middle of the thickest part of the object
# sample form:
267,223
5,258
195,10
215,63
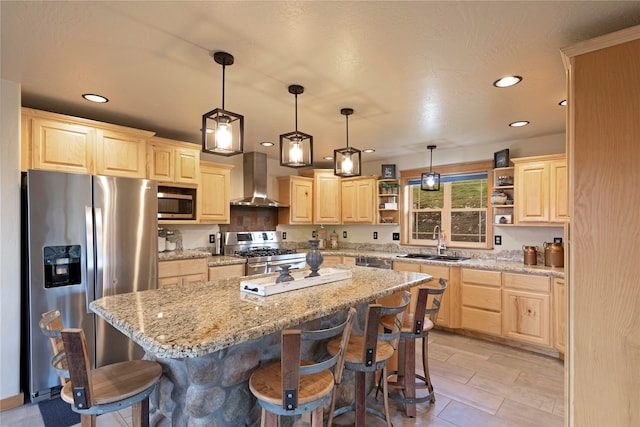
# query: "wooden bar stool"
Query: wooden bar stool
295,386
416,325
370,353
92,392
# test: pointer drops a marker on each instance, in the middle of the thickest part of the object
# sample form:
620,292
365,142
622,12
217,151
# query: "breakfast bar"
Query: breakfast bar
210,337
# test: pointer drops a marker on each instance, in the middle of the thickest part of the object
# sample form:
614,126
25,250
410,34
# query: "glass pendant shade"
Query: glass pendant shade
222,133
430,181
296,148
222,130
347,161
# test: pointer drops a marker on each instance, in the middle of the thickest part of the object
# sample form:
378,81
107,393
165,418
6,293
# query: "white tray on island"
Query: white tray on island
266,286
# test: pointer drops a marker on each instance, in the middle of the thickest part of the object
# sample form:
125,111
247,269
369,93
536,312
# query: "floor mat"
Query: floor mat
57,413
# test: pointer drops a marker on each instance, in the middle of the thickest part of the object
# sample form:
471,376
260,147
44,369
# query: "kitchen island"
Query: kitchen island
210,337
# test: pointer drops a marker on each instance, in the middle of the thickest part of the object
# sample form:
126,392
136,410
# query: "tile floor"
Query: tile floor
477,384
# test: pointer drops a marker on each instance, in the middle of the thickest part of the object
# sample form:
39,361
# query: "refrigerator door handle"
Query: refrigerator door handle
99,256
90,279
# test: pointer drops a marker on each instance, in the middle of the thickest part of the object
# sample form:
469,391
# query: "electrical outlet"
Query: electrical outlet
375,235
212,238
284,235
557,240
313,234
497,240
344,234
396,236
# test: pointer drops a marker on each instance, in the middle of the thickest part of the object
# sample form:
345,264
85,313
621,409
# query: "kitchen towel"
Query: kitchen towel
57,413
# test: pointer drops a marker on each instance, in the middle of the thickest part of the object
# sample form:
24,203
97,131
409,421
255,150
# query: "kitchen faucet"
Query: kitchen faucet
441,246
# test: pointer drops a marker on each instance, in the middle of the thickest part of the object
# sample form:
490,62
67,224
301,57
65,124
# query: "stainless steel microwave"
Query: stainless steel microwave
176,203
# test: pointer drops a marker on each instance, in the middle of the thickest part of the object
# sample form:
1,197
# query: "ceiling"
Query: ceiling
416,73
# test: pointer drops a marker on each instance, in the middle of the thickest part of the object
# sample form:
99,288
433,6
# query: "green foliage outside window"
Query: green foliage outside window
459,208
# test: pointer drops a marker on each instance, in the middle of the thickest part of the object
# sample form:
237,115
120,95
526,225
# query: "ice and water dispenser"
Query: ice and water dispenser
62,266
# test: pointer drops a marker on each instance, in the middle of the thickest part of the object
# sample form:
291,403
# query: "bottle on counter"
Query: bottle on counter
334,240
321,236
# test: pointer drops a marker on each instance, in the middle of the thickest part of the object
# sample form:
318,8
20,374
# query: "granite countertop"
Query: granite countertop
212,260
478,263
195,320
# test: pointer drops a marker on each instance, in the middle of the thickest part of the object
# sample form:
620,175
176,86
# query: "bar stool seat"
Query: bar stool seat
110,388
294,386
416,326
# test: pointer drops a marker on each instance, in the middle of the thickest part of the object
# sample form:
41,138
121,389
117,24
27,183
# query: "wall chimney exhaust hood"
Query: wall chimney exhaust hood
255,183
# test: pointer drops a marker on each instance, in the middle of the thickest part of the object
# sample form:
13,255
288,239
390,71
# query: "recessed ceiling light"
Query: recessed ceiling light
519,124
95,98
266,144
368,150
507,81
328,158
563,103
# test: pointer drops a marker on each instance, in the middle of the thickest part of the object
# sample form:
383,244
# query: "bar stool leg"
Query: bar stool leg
410,375
361,396
425,366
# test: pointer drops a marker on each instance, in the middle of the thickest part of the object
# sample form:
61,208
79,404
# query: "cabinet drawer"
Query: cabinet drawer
526,282
481,277
182,267
332,259
226,271
480,320
406,266
482,297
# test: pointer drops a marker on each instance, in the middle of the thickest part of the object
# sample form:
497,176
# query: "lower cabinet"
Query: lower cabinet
481,301
332,259
349,260
182,272
526,308
446,315
559,314
226,271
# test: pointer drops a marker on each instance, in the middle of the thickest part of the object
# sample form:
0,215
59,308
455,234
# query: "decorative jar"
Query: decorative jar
314,258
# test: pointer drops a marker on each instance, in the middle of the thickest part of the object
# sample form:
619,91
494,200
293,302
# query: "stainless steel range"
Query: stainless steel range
263,251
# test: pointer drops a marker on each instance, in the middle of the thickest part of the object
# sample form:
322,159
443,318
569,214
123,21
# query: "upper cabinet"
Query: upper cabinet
296,192
62,143
213,193
358,200
173,161
326,196
541,190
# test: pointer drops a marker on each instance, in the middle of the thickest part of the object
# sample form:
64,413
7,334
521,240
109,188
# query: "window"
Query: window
459,208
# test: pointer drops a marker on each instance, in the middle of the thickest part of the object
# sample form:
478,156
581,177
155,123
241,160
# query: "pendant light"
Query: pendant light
222,130
347,161
430,181
296,148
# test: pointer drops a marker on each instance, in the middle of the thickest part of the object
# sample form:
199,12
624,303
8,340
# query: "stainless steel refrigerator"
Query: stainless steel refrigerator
84,237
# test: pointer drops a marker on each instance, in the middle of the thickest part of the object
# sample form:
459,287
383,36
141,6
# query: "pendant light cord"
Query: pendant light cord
223,67
296,113
347,117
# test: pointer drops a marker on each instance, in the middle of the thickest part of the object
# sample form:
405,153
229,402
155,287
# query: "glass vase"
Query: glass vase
314,258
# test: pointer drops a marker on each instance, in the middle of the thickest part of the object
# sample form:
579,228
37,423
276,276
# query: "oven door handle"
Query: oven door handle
286,262
256,264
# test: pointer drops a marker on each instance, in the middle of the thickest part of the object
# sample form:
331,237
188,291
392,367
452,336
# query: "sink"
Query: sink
446,258
435,257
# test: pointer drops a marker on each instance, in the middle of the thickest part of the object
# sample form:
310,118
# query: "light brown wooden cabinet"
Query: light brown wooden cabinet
358,200
481,301
526,313
173,161
326,196
213,193
559,314
182,272
332,259
447,315
297,193
57,142
541,190
226,271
